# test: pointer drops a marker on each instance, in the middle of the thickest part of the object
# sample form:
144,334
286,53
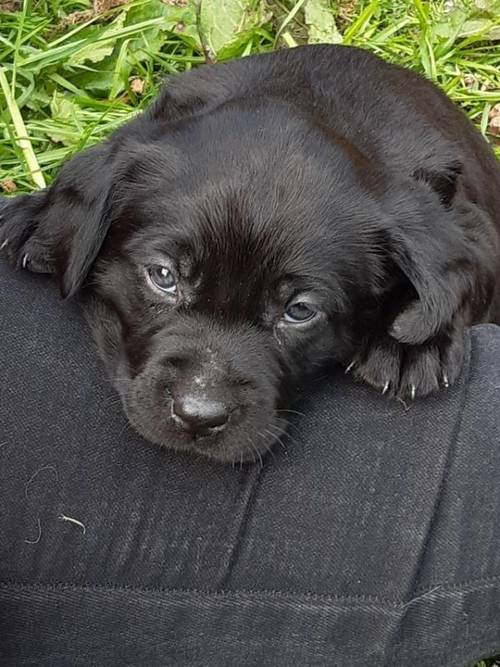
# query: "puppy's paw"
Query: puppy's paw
21,239
407,371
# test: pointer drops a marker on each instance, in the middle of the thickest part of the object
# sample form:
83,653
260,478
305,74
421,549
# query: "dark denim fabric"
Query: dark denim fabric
373,539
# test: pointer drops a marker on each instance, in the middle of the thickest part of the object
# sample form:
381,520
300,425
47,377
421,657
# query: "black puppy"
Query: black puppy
266,218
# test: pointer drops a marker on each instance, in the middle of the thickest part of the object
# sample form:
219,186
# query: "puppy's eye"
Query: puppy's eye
162,278
298,313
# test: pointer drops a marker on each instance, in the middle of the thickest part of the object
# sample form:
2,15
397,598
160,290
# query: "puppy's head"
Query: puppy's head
224,263
224,282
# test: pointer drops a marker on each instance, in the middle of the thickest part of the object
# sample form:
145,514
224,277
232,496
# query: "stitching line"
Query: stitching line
441,591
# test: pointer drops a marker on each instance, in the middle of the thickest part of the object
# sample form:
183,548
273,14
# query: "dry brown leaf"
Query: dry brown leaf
137,85
98,7
8,186
494,116
494,126
77,17
346,12
494,111
469,81
10,5
101,6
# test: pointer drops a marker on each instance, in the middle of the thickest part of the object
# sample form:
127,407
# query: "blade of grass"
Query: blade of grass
26,8
21,134
359,26
288,18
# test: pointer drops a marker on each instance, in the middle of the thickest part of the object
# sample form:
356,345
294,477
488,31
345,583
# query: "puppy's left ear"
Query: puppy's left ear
60,229
445,251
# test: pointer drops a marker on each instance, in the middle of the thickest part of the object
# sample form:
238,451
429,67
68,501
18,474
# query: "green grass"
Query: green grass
71,72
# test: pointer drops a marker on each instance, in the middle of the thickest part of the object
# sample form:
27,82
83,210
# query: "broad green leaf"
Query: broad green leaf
39,99
61,107
65,128
179,19
220,21
450,28
98,79
491,7
480,18
97,51
483,27
458,27
235,47
321,23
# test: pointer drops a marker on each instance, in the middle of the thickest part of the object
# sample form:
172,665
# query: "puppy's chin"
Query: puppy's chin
246,439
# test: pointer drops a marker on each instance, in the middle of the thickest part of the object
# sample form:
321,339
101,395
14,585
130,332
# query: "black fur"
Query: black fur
320,171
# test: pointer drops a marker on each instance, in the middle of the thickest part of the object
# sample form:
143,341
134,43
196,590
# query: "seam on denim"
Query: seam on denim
447,464
262,593
362,600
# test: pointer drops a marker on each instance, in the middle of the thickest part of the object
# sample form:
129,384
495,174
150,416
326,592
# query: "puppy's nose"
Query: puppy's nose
199,415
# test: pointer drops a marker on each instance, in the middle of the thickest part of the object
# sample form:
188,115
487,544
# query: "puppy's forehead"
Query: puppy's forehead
274,220
236,230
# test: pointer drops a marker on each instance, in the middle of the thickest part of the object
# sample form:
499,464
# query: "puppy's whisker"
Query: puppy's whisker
283,430
269,449
293,412
285,435
277,438
269,442
255,449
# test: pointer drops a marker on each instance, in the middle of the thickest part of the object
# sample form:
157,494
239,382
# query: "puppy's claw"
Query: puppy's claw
446,382
25,260
413,392
350,367
385,387
4,244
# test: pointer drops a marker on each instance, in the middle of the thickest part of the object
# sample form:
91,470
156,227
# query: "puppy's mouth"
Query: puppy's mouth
221,430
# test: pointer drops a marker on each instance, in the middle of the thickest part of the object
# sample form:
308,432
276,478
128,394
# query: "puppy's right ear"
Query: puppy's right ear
60,229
